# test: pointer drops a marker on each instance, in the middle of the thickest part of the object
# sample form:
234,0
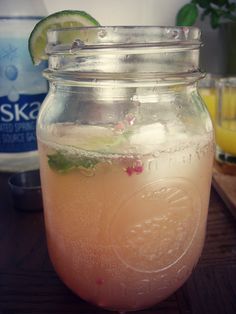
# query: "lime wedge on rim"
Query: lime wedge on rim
62,19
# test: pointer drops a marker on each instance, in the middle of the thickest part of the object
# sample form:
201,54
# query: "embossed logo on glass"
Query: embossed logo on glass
154,228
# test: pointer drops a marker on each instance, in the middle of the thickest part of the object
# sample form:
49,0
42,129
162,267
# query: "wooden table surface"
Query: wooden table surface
28,283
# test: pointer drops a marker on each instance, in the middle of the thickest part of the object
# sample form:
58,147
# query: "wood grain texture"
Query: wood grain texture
210,290
29,285
226,187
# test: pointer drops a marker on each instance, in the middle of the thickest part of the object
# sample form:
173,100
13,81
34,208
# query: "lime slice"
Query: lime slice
90,138
62,19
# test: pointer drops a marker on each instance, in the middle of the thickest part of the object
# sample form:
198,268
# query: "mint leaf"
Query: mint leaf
64,163
215,20
59,162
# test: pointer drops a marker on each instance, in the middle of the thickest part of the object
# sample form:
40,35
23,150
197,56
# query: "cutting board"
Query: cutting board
225,185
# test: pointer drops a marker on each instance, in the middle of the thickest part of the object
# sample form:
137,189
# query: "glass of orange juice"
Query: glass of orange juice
225,126
126,154
208,92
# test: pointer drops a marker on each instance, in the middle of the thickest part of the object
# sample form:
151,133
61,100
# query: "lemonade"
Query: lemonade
126,153
124,230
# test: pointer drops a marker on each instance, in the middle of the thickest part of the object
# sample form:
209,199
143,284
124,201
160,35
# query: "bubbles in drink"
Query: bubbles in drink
102,33
136,234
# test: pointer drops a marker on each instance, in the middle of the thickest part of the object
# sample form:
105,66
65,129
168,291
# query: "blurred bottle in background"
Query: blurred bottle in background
22,87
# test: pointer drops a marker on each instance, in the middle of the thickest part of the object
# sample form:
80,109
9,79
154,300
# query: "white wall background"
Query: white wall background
123,12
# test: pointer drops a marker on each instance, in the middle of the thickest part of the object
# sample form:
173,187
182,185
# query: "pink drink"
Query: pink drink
126,232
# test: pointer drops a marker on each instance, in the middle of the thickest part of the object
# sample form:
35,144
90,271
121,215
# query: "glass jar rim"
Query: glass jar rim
229,81
95,38
124,53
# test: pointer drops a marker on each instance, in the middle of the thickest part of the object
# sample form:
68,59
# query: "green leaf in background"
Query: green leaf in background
219,11
205,13
232,7
203,3
229,16
220,3
187,15
215,20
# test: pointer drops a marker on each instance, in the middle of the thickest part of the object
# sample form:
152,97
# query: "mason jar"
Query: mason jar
126,154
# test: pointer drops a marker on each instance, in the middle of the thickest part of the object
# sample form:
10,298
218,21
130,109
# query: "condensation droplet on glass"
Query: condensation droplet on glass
178,106
175,33
186,32
168,30
130,119
134,98
126,58
198,155
156,154
145,280
190,158
162,190
163,276
155,89
140,293
182,272
110,117
77,44
155,194
154,117
146,231
102,33
88,172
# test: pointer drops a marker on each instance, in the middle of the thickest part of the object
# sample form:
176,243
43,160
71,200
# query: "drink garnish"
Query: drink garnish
62,19
64,163
136,168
